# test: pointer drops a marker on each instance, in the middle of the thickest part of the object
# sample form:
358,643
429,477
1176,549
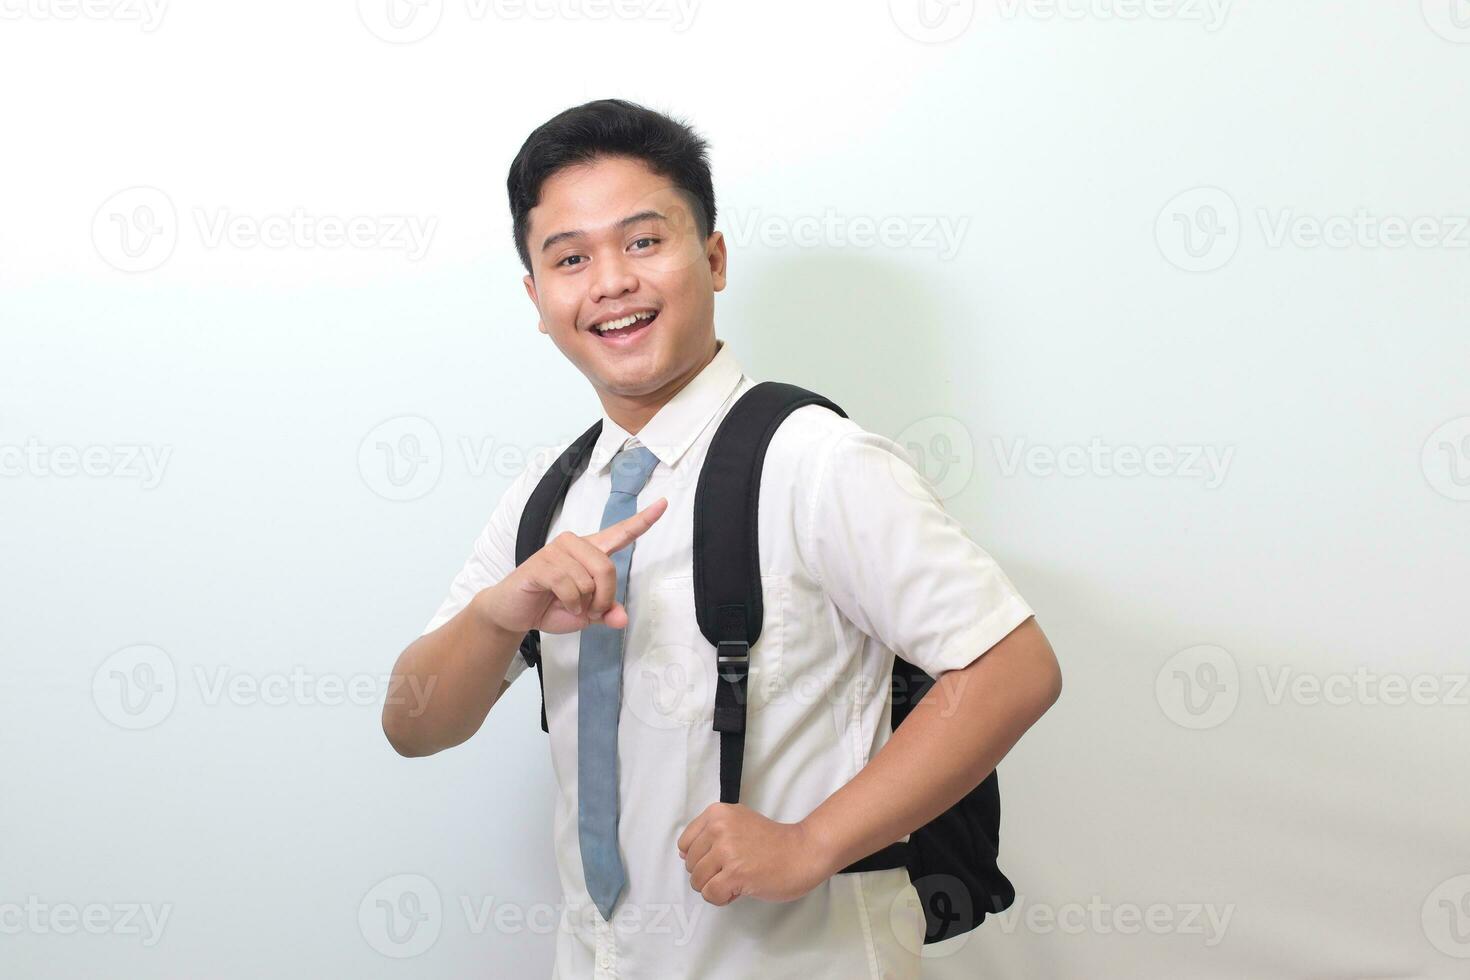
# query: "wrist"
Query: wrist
483,608
821,847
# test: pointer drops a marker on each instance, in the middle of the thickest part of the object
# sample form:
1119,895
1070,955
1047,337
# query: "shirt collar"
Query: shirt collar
676,425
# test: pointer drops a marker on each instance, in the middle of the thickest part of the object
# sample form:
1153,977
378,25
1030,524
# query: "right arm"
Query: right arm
446,681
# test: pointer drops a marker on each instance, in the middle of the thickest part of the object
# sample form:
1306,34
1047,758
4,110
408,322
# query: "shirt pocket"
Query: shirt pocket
671,681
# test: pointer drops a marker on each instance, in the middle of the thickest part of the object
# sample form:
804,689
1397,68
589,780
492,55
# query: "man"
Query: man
614,212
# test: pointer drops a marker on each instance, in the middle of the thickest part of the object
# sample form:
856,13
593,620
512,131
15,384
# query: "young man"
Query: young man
613,213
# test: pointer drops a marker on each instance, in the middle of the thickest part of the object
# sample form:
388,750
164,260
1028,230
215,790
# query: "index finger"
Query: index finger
616,537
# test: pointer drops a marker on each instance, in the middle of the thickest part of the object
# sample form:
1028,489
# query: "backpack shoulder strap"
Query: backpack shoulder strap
535,526
727,574
727,571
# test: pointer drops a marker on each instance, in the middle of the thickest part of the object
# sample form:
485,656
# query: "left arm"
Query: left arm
950,742
880,544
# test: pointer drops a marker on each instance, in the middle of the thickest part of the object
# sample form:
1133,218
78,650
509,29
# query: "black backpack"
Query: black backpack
952,859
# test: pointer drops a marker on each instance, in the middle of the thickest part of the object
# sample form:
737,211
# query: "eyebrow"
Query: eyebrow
579,233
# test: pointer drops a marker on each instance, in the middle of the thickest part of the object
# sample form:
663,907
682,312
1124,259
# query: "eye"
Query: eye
645,238
567,259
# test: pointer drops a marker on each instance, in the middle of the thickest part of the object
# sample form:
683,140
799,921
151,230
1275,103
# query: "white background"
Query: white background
1264,717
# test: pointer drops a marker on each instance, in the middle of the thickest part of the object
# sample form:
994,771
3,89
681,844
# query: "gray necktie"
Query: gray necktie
599,695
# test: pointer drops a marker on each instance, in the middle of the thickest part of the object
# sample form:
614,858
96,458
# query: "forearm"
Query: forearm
445,682
948,744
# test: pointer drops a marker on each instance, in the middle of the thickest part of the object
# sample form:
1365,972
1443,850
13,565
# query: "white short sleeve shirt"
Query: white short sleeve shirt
859,562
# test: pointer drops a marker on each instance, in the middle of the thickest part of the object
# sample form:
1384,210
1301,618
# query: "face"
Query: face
612,238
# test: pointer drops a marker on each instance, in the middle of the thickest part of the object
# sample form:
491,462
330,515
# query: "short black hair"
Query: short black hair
609,127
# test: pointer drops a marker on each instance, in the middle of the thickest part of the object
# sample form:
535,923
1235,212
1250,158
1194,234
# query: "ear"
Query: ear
714,249
530,283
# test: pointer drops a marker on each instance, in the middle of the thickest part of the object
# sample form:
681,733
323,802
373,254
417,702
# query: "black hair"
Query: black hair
609,127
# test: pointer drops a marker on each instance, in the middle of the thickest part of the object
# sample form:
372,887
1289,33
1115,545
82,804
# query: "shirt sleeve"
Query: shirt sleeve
894,561
491,559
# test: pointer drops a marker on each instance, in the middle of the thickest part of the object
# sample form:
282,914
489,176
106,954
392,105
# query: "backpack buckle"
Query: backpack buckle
734,666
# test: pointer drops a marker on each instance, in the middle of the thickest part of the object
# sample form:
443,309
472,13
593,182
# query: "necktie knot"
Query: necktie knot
631,469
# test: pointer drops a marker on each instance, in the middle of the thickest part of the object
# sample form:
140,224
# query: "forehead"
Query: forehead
591,195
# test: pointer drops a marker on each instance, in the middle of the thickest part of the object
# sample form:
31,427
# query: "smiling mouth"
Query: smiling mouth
626,328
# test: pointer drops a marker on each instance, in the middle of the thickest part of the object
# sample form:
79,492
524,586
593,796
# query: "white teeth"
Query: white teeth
626,321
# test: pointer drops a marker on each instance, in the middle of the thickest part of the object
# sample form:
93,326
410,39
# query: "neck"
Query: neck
634,412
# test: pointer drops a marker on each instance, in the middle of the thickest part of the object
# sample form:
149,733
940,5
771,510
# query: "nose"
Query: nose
613,277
